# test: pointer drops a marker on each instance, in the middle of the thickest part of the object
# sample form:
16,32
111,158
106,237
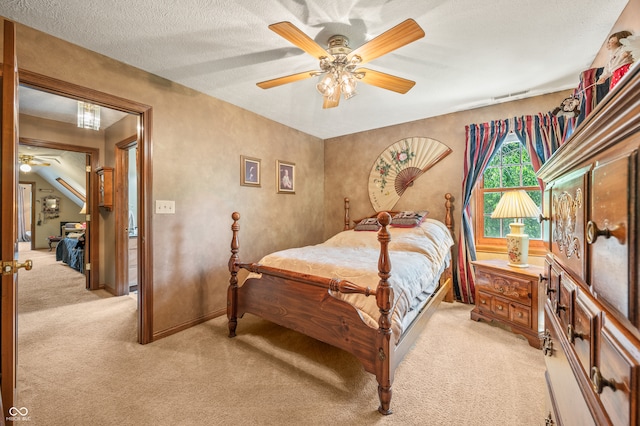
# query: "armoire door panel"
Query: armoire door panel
608,230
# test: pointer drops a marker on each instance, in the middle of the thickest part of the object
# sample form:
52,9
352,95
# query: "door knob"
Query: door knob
28,264
12,266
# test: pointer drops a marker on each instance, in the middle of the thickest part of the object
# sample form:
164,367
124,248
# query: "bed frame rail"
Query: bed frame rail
333,284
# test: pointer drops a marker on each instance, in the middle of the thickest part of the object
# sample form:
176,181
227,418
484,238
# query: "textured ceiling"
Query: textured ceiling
474,53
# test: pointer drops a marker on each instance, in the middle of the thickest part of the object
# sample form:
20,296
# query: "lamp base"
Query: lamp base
517,246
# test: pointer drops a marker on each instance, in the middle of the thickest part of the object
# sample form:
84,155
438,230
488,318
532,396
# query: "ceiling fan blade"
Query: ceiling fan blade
386,81
398,36
286,79
292,33
333,101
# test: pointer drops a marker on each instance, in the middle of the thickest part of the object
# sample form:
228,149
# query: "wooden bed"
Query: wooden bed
304,303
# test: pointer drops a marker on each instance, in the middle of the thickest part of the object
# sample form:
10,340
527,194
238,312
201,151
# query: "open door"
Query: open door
9,224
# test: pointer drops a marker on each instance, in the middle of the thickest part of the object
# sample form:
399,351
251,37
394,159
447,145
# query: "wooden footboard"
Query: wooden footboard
303,303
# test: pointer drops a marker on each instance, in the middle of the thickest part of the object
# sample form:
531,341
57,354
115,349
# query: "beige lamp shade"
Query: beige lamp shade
515,204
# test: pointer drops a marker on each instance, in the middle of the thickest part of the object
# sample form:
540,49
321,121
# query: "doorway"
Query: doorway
126,183
143,130
58,171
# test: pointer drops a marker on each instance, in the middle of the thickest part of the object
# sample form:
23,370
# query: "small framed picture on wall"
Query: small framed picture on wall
286,177
249,171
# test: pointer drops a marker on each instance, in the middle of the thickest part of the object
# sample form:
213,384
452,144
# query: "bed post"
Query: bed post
346,214
447,215
383,300
448,220
232,291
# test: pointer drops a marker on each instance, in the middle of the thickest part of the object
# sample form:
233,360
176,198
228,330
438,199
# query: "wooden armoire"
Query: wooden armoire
591,341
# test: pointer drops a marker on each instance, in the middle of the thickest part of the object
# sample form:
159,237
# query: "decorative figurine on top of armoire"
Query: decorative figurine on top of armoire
620,59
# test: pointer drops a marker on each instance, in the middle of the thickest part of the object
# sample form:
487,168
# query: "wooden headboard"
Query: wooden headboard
448,219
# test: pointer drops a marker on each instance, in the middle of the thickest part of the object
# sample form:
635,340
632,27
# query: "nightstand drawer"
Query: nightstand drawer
500,307
520,315
484,301
516,289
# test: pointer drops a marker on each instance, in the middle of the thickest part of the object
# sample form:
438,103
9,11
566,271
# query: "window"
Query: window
510,168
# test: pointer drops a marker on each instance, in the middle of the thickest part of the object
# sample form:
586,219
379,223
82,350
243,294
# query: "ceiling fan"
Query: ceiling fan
339,64
27,161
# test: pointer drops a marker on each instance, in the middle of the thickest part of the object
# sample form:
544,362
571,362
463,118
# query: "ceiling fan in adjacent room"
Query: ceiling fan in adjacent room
28,161
339,64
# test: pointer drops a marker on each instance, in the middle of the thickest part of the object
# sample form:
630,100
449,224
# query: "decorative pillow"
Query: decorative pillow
368,224
408,219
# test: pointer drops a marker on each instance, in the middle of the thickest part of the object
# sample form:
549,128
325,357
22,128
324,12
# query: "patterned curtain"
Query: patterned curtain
482,142
541,134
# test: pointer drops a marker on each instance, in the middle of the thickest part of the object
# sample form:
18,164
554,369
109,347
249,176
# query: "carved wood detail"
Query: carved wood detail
565,208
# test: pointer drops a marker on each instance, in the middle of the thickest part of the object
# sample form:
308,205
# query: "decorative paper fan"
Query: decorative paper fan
399,165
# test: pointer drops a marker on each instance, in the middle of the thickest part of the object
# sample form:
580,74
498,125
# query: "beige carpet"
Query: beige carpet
79,364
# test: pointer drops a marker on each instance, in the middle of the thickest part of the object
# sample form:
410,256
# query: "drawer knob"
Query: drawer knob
499,307
558,307
572,335
593,232
599,382
547,344
542,278
549,289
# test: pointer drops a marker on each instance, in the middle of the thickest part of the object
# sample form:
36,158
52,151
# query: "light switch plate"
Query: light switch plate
165,207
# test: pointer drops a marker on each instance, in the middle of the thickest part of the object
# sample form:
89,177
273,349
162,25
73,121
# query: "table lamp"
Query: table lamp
517,205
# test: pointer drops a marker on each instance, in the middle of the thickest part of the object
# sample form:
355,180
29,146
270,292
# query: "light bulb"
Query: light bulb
348,85
326,86
25,167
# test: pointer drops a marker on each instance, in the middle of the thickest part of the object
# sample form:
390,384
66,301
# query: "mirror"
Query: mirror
51,206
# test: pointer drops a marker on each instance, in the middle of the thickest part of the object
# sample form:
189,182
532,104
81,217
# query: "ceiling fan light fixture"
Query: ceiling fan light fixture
339,63
327,85
88,116
348,85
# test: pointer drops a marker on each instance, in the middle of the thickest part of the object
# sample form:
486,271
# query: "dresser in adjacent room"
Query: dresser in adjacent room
591,337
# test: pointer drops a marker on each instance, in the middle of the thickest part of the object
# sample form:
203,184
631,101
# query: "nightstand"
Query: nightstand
510,296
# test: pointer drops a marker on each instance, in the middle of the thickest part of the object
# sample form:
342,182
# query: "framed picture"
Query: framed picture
286,177
249,171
